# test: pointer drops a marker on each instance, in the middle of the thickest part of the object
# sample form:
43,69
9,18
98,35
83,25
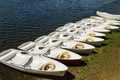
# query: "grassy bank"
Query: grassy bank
103,64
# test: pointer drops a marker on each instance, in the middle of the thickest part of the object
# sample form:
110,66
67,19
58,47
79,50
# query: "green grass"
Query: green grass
103,64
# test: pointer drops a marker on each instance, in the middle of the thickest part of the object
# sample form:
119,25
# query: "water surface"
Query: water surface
25,20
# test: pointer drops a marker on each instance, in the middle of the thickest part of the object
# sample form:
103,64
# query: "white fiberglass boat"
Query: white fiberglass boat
103,26
88,32
92,33
109,27
35,64
69,43
85,38
56,53
98,25
90,40
41,39
77,28
108,15
84,32
99,29
106,21
78,47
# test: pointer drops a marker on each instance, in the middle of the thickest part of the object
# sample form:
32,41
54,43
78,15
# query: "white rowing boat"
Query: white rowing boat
35,64
109,27
95,27
106,21
92,33
108,15
90,40
56,53
84,38
86,32
78,47
69,43
94,24
86,27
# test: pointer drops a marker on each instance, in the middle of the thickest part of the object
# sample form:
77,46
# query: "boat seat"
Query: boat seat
41,39
35,66
27,46
65,36
54,34
20,59
8,54
54,42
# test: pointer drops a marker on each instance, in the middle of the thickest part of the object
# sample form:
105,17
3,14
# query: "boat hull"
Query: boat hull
67,62
81,51
108,15
97,43
26,70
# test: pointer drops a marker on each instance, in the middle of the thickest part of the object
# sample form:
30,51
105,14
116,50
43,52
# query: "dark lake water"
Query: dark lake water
25,20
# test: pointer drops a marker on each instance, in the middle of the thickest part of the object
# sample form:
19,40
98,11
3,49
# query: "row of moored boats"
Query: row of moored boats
46,54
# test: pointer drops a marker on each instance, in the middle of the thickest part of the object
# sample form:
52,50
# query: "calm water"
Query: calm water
25,20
